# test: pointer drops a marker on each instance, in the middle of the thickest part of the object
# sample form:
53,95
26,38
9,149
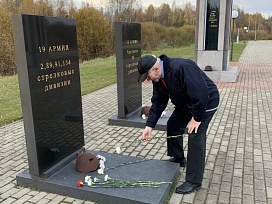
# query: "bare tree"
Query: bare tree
61,8
119,10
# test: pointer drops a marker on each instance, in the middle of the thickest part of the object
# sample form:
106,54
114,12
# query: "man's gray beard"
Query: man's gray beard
156,80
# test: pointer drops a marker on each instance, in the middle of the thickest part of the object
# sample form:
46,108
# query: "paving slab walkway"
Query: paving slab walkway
239,142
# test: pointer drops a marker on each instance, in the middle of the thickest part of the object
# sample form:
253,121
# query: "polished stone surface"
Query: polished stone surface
128,52
48,71
212,24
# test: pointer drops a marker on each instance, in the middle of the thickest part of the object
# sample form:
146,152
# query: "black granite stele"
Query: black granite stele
212,24
64,182
129,90
49,80
48,71
128,52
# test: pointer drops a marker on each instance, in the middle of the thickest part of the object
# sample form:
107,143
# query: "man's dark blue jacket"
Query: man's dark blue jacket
188,87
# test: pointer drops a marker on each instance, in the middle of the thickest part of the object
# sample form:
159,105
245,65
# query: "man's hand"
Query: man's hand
146,133
193,125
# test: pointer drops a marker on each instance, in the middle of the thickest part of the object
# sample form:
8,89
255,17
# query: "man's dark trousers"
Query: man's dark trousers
176,125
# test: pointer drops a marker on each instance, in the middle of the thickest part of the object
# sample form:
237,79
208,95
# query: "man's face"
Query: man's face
154,74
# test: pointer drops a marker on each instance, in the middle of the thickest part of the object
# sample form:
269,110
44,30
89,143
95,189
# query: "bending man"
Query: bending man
195,98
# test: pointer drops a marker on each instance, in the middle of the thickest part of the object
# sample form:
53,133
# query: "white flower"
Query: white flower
100,171
118,150
101,158
101,162
96,179
144,117
87,179
90,182
107,178
102,166
163,114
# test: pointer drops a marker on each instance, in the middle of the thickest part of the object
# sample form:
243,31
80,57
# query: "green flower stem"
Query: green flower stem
126,163
153,138
168,137
131,186
114,183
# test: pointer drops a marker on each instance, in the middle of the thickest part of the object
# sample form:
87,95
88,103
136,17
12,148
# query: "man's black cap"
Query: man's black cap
145,63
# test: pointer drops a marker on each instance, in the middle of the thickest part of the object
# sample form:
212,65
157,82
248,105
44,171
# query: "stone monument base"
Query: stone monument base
229,75
64,182
135,120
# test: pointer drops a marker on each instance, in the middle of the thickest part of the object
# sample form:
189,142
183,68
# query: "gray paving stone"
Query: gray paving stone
88,202
9,200
8,187
227,177
212,199
19,193
224,197
225,187
23,199
236,192
189,198
214,188
175,198
51,196
269,192
43,201
199,201
38,197
260,196
201,195
235,201
217,178
248,199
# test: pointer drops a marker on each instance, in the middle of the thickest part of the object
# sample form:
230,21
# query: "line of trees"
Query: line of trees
161,26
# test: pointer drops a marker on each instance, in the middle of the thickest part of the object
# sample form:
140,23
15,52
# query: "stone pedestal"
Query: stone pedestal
64,182
229,75
135,120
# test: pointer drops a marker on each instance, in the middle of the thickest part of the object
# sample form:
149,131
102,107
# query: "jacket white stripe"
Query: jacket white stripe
211,109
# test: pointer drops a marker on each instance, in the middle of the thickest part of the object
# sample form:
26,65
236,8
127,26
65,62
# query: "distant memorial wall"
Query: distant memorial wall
48,72
212,40
212,25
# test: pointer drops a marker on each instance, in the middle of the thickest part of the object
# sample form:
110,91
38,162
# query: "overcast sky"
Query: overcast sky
249,6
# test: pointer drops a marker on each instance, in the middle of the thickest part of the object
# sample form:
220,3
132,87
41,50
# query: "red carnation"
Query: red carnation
79,183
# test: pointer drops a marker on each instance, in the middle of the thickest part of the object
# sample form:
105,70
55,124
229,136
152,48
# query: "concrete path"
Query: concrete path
239,143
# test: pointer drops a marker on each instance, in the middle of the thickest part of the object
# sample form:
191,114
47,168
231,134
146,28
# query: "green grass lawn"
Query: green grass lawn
10,103
94,75
97,74
184,52
238,48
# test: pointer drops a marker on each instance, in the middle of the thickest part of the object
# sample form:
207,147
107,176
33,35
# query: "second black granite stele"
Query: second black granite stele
129,90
